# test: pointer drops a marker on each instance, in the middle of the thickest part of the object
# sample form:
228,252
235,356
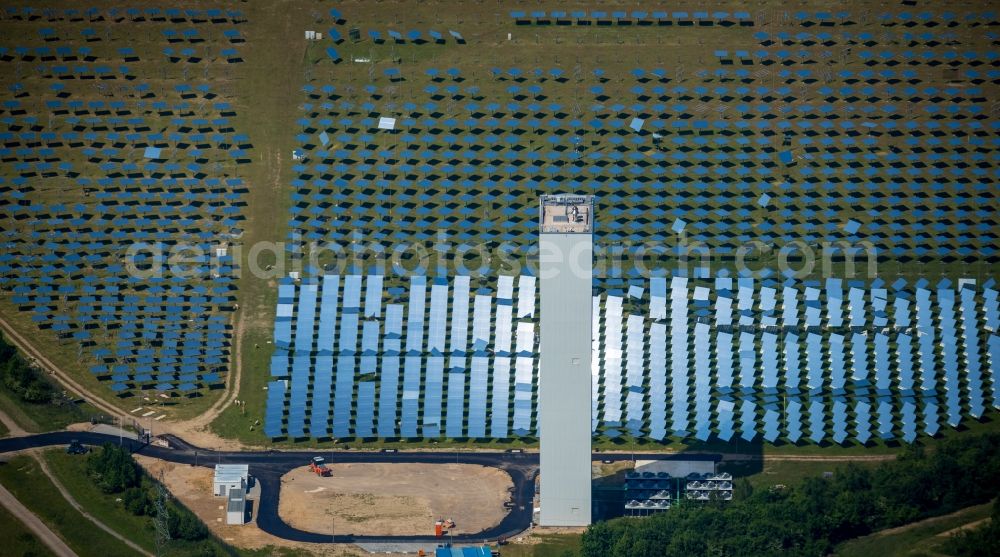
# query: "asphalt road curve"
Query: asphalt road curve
267,467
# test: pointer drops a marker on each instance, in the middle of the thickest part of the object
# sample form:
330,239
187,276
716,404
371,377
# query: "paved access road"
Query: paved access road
269,466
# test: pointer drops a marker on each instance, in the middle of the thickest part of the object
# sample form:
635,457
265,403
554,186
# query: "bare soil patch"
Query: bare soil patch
394,499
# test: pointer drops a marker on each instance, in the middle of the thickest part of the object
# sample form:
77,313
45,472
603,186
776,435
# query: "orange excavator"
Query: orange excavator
440,526
317,466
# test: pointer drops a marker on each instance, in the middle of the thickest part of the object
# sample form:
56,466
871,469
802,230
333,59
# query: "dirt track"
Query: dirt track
35,524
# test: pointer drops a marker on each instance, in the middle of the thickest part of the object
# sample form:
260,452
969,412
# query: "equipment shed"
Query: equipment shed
229,477
236,506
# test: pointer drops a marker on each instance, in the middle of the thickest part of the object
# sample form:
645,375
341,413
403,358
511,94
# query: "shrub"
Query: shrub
113,469
24,381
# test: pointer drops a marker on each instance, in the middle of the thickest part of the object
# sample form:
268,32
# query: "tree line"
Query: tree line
22,379
812,518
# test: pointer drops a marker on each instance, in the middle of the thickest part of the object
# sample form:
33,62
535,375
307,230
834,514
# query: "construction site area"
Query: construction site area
394,499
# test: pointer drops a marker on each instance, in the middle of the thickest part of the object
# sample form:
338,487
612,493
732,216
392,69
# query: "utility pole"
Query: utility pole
162,520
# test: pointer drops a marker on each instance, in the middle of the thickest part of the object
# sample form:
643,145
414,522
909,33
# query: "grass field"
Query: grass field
921,539
18,540
45,417
23,477
233,422
783,472
72,473
266,93
549,545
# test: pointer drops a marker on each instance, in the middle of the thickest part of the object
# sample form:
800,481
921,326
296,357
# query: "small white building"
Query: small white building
230,477
236,506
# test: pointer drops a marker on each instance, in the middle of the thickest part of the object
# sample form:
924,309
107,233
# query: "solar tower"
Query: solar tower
564,393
